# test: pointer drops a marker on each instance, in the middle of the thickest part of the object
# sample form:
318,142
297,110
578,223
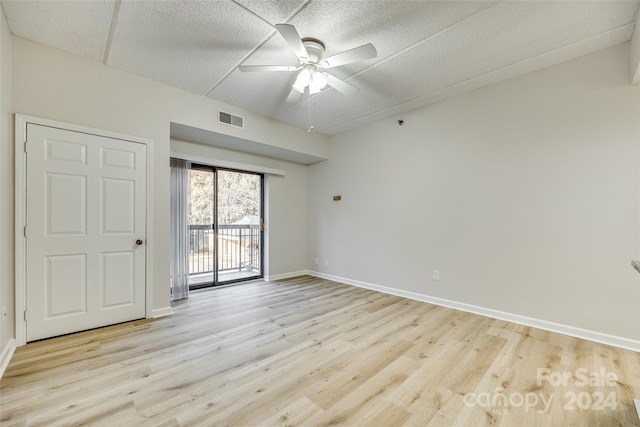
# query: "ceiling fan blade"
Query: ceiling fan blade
250,68
360,53
291,36
294,95
341,86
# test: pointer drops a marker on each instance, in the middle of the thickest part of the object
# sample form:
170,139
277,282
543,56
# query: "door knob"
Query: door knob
139,242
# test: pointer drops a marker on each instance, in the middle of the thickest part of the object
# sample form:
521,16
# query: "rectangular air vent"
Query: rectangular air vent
230,119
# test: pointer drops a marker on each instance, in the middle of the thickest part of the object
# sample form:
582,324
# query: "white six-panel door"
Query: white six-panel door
85,244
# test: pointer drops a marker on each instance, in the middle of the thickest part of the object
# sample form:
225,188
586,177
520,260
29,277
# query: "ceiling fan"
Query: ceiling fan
311,72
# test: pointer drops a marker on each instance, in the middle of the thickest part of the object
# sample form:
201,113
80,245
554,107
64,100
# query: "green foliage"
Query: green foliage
238,197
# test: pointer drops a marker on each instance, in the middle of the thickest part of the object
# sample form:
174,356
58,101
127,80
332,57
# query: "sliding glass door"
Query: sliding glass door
226,228
201,227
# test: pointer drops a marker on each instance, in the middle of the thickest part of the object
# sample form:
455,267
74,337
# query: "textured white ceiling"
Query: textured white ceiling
427,50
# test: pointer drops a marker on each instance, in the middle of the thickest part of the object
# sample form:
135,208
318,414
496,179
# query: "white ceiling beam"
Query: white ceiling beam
635,56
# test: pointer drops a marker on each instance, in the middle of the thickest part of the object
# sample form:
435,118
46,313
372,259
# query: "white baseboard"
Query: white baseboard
599,337
637,403
161,312
6,355
283,276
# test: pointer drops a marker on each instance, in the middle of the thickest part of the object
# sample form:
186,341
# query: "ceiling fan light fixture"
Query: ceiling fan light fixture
303,80
312,78
310,54
318,82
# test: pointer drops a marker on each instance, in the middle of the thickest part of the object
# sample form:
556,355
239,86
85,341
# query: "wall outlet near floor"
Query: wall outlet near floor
316,261
436,275
326,263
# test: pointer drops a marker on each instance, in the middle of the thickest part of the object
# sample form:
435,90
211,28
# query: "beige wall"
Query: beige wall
523,195
51,84
6,188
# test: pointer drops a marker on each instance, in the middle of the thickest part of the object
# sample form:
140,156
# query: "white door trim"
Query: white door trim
21,122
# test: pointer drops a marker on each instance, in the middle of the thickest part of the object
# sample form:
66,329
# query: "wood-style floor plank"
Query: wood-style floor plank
311,352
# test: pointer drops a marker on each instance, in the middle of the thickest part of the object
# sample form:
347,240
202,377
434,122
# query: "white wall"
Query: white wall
6,187
51,84
285,210
524,195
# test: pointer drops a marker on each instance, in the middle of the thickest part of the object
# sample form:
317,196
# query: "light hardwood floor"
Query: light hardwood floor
311,352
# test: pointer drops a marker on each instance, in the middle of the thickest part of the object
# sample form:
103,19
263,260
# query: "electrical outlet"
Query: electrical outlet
436,275
317,261
326,263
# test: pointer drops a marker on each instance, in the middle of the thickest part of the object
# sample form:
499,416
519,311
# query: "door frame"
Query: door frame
20,187
268,173
200,166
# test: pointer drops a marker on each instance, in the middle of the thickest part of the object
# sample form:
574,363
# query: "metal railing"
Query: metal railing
238,248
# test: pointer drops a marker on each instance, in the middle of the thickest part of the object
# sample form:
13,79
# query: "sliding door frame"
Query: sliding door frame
216,225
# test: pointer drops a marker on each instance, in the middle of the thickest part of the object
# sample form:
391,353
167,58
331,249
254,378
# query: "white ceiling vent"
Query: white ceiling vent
230,119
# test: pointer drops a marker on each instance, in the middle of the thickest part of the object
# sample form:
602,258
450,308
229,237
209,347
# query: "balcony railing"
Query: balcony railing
238,248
